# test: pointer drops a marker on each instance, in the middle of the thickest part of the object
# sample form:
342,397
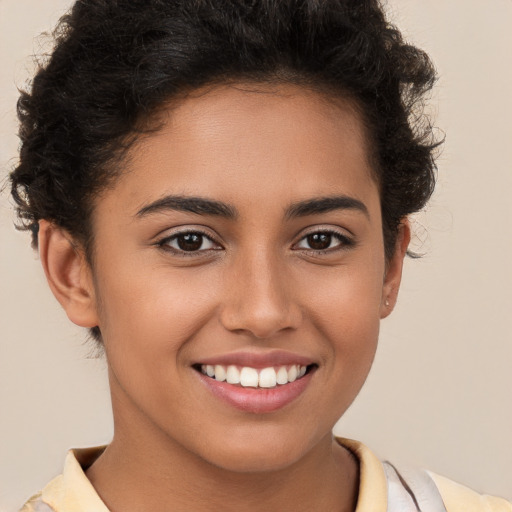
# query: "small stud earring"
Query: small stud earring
387,303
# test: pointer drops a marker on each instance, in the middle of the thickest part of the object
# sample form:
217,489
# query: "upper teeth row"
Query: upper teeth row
251,377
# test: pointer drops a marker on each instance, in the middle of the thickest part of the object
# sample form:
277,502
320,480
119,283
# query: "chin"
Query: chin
258,452
255,461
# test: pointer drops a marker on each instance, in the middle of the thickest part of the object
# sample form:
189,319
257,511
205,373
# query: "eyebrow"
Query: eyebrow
319,205
204,206
197,205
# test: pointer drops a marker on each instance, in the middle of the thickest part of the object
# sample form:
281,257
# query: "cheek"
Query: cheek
345,300
344,308
147,320
152,313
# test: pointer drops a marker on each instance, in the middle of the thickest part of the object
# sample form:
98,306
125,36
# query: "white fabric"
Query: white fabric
412,490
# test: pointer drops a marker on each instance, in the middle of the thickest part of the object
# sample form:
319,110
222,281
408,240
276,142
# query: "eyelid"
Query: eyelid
163,240
346,239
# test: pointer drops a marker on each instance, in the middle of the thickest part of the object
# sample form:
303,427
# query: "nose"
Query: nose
260,299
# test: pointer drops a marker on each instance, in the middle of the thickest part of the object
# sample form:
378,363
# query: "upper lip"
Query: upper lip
258,360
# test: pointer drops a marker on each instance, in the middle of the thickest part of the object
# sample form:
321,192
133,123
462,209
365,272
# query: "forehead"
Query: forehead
247,142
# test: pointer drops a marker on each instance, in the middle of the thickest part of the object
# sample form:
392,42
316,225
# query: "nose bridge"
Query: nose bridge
260,300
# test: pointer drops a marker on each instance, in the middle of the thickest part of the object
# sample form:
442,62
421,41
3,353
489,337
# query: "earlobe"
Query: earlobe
68,274
394,270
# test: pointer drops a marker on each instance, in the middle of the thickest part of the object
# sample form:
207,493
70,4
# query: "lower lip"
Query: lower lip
257,400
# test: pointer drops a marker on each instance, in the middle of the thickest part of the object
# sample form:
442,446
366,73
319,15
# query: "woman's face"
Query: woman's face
244,238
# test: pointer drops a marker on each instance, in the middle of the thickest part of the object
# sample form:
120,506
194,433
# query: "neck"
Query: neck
144,469
132,478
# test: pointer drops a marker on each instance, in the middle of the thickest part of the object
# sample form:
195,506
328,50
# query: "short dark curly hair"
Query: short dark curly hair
116,62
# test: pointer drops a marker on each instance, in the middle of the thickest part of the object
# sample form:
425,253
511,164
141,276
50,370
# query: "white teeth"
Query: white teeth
232,375
282,375
292,373
268,378
220,373
249,377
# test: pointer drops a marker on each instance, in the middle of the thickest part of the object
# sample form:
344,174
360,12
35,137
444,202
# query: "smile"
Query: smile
249,377
256,384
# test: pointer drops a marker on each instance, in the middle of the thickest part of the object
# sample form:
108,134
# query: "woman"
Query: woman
219,192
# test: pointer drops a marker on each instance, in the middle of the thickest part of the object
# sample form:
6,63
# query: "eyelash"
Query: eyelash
344,242
164,243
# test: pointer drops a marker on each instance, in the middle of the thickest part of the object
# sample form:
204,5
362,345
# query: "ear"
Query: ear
394,270
68,274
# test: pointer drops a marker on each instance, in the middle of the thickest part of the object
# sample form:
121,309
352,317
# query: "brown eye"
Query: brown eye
319,241
190,241
324,241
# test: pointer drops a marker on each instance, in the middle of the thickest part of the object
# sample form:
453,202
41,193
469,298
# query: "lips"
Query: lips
257,383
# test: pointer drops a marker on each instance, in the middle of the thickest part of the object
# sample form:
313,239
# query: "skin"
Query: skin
255,285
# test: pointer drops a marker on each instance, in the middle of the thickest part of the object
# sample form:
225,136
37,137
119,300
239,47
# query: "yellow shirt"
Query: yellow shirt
72,492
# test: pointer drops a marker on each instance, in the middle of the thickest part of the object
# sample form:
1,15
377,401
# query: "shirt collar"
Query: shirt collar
73,492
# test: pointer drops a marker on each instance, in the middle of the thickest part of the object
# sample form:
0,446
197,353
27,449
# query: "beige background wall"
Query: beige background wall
440,394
